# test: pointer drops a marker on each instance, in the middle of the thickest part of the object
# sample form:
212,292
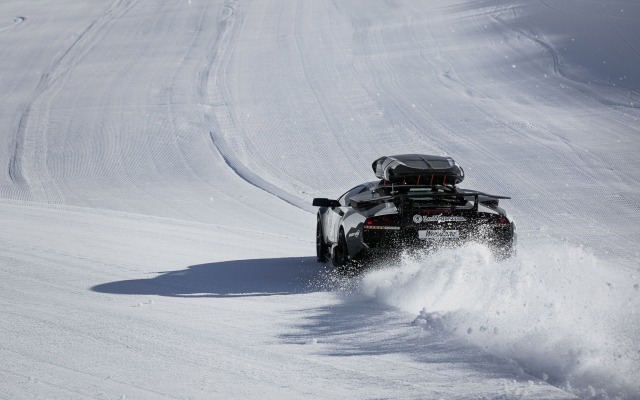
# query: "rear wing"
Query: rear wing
398,193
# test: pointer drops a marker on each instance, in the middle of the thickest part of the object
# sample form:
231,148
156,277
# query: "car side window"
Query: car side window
346,198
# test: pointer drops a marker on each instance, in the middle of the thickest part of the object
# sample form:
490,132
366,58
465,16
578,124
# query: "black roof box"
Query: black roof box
427,169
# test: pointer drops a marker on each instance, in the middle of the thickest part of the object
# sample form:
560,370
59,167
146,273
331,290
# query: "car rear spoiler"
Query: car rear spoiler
478,197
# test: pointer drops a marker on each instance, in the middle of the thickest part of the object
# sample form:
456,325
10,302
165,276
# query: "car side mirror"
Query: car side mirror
322,202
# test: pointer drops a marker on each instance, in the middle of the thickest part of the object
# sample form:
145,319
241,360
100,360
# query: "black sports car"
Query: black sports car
414,204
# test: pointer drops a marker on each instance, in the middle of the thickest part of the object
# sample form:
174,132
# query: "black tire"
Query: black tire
340,256
504,251
321,247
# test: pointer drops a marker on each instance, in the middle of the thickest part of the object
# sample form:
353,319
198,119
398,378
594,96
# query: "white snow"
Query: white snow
159,160
549,309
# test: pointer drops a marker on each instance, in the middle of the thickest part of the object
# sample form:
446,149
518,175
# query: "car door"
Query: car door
336,214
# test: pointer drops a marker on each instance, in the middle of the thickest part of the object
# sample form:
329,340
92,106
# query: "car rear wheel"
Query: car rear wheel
504,251
321,247
340,256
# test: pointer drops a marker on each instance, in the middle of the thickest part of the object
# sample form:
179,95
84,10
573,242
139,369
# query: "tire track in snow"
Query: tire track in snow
550,153
224,136
455,82
582,86
328,116
16,21
58,373
28,163
250,177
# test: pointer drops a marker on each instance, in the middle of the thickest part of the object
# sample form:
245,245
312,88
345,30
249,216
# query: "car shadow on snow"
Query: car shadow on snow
259,277
359,326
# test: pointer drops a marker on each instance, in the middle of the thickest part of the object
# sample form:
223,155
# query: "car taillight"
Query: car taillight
382,222
502,222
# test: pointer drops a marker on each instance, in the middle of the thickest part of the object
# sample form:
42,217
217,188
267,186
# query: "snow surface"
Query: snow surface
159,160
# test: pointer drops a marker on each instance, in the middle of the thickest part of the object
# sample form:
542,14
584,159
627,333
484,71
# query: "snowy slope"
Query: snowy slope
159,159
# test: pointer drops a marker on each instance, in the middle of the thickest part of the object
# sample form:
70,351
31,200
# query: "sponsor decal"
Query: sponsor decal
355,234
438,218
438,234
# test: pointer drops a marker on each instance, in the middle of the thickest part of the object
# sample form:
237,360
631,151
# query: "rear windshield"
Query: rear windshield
437,202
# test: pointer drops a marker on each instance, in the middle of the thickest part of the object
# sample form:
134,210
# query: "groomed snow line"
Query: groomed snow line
157,166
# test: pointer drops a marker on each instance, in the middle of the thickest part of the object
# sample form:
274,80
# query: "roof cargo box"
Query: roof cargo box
420,169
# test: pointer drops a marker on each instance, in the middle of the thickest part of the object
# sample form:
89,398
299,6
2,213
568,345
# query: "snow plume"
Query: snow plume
558,311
